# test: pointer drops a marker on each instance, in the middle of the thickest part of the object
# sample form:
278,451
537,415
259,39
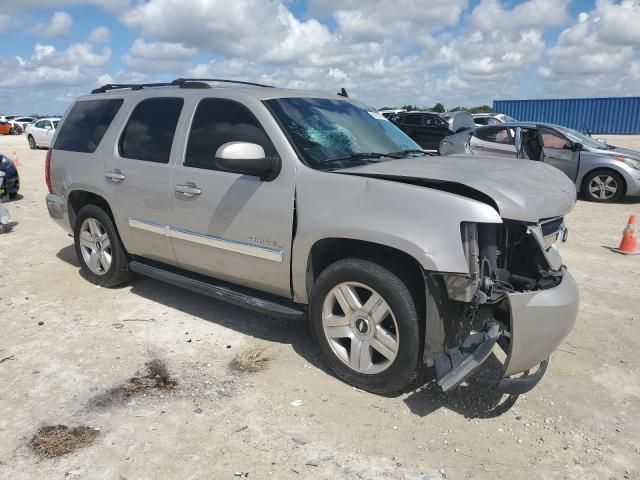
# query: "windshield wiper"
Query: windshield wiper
363,156
410,151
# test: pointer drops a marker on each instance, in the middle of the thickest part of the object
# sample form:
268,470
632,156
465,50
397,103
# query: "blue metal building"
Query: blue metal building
601,115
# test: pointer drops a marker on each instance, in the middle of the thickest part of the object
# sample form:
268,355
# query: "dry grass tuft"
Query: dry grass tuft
157,370
52,441
250,360
156,376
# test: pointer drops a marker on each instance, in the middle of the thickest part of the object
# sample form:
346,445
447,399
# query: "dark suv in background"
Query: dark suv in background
428,129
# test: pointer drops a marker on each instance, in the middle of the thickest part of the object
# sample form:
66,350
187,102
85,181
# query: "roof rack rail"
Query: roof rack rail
179,82
184,81
132,86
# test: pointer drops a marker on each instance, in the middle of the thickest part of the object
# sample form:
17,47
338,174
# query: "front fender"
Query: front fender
420,221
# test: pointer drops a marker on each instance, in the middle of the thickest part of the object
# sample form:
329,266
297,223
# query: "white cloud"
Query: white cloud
534,14
158,56
5,23
244,28
374,20
100,35
597,55
58,26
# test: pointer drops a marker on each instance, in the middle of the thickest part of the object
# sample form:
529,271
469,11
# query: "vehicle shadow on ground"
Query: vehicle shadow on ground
478,399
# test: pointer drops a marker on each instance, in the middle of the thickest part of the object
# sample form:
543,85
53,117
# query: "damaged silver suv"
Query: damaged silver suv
303,204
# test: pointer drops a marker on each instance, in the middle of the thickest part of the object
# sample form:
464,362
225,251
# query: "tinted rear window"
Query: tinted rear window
86,124
150,130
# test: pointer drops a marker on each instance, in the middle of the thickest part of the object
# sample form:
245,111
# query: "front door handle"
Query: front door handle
188,190
115,176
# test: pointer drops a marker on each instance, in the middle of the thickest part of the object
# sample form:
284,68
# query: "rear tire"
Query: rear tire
372,340
32,142
103,259
603,186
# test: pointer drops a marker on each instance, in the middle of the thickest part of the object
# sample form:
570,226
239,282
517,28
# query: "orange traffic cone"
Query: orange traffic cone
629,242
16,162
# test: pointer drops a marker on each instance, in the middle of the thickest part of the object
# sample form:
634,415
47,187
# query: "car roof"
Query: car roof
518,124
261,93
47,118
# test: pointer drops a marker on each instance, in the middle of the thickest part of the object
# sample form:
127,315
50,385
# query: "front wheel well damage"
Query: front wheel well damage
330,250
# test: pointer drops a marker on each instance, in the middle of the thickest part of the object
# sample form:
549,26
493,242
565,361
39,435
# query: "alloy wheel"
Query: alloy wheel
360,327
603,187
95,246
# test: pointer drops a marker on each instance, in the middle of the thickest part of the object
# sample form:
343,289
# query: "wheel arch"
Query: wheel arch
326,251
607,168
76,199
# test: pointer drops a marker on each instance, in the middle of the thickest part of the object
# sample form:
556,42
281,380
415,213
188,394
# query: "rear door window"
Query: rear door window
433,121
494,135
86,124
413,119
219,121
149,132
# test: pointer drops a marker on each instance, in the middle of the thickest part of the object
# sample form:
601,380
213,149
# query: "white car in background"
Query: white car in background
23,121
40,133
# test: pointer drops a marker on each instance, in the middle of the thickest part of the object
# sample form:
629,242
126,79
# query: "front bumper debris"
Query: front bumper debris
539,321
520,385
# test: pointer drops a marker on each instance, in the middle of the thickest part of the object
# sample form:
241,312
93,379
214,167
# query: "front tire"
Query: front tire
603,186
365,321
32,142
103,259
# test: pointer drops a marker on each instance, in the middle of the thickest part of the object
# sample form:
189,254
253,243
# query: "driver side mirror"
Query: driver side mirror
246,158
577,147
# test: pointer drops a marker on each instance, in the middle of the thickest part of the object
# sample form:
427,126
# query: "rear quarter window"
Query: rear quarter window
86,124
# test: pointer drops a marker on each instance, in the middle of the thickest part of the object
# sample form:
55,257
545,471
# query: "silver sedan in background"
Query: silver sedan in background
601,172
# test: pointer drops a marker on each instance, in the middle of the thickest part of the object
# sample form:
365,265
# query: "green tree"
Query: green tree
481,109
439,108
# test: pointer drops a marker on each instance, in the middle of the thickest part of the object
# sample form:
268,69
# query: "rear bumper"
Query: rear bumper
58,211
540,321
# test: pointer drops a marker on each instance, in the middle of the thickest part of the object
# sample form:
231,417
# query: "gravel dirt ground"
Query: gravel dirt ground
66,344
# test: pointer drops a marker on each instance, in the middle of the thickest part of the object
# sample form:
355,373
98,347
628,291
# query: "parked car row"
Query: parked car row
15,124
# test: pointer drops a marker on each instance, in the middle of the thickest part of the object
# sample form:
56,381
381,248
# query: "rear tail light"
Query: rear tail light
47,170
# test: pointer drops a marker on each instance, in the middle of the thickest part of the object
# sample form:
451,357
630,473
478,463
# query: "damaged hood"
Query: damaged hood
522,190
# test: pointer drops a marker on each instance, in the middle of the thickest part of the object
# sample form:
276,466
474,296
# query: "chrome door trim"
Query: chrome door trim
259,251
148,226
266,253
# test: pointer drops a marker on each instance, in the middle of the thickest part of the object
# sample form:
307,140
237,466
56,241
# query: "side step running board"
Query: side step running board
454,367
227,292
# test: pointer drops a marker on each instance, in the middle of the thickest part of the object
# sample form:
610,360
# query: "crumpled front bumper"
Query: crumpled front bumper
540,321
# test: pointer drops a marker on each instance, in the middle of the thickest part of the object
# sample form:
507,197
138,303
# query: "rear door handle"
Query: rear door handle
115,176
188,190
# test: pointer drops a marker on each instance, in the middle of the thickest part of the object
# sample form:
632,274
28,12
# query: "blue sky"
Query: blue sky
459,52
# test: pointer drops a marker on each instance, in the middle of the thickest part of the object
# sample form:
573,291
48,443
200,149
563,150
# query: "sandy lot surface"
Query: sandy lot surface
65,343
